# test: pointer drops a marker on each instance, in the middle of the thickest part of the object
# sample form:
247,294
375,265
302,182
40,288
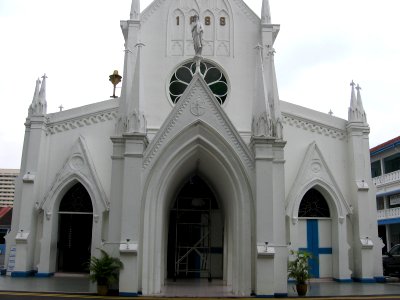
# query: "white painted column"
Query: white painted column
365,229
25,237
271,261
135,145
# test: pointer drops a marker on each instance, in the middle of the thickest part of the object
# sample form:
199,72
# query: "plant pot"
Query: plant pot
102,290
301,289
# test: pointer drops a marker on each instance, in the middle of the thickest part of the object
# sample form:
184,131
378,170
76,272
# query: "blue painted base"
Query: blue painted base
281,295
277,295
3,271
44,275
126,294
22,273
364,280
380,279
348,280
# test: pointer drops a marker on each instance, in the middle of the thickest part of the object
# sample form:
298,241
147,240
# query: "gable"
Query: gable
78,167
315,172
198,106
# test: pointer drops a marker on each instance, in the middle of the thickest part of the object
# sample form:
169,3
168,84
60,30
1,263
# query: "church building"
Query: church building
198,169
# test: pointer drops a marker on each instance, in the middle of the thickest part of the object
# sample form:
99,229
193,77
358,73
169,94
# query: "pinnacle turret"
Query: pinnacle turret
135,10
265,12
356,109
42,94
39,104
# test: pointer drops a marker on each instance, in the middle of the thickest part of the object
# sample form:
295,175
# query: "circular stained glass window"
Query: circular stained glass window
213,76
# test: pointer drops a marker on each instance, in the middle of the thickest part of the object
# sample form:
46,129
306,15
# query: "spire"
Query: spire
262,125
135,10
353,101
136,119
356,109
33,108
42,96
359,101
265,12
35,99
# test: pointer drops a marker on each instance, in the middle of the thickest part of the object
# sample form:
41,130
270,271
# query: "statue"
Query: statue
197,34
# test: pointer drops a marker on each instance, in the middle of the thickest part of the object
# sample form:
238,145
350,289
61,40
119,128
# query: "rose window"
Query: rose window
213,76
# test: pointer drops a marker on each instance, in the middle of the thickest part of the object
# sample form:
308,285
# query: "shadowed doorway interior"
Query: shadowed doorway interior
75,230
195,240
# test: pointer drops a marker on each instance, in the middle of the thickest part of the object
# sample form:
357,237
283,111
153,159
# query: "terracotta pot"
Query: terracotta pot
301,289
102,290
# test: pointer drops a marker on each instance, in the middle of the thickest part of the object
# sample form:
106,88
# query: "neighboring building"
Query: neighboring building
5,226
198,169
385,169
7,186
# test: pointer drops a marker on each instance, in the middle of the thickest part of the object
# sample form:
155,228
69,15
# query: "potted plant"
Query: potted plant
299,270
104,271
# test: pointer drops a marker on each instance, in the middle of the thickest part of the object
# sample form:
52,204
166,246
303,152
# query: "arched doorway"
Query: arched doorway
74,230
316,232
195,236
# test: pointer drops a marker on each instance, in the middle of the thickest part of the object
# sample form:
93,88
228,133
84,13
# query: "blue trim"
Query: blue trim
281,295
380,279
3,271
389,221
383,149
348,280
365,280
126,294
394,192
276,295
44,275
22,273
290,280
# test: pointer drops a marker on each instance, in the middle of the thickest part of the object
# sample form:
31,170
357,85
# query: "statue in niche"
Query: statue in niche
197,34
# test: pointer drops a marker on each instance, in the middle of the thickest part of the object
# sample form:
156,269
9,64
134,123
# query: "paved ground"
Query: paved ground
79,287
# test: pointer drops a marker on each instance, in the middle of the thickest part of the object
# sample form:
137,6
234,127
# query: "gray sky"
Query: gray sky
322,46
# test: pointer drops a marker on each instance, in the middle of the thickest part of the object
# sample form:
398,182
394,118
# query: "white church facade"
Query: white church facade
198,170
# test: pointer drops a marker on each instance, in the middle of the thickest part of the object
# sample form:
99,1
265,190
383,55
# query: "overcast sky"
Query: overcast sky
321,47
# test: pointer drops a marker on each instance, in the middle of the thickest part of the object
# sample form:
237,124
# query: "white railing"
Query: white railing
389,213
387,178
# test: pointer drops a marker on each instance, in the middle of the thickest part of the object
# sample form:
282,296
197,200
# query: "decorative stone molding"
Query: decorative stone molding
78,167
211,113
314,172
146,14
312,126
247,12
82,121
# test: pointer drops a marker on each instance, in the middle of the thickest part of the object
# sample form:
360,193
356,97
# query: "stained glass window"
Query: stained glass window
314,205
213,76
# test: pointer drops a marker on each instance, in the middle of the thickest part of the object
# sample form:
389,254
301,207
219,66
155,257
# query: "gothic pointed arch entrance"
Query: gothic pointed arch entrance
195,238
198,149
74,230
316,230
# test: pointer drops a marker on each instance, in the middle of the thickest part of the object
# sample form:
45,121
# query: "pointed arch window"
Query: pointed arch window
314,205
77,199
